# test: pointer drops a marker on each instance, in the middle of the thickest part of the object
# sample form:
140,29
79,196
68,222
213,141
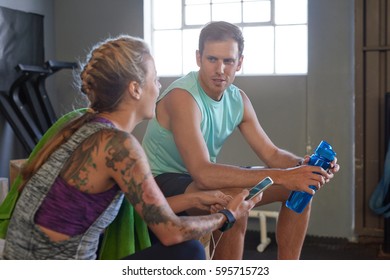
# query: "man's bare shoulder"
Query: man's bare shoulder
178,105
176,94
177,99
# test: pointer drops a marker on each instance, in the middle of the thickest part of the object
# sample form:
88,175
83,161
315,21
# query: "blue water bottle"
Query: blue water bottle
322,156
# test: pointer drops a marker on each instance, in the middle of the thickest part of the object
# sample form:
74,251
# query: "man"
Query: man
194,116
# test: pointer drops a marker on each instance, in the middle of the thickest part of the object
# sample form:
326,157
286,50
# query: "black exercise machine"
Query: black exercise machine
27,105
16,124
24,100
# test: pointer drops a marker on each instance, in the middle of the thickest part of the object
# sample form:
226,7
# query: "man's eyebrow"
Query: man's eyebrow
224,59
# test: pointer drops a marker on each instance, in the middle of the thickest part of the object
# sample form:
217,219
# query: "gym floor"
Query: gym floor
317,248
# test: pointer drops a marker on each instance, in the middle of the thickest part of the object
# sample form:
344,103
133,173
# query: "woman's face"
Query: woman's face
150,90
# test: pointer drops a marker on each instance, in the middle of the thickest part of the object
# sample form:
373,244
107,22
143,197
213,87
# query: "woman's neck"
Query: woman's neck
121,120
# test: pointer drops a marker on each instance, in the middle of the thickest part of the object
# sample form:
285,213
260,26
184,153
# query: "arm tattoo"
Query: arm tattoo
124,155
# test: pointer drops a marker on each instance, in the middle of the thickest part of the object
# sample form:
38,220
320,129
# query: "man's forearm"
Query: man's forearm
284,159
220,176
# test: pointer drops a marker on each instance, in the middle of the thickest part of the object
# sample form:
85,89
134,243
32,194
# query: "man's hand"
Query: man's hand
302,176
333,169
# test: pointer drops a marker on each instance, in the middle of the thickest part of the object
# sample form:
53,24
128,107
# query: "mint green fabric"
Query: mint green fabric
127,234
219,120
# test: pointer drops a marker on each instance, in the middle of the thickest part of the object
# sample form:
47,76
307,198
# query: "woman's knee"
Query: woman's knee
190,250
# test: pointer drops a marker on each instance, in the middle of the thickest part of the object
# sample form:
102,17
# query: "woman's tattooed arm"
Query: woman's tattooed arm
130,169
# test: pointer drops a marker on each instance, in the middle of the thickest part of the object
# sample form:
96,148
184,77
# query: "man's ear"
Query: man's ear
135,90
239,65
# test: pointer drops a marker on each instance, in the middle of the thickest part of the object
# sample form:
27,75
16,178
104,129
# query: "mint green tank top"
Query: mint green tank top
219,120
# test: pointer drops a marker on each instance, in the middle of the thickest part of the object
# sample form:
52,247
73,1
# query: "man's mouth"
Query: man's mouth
218,80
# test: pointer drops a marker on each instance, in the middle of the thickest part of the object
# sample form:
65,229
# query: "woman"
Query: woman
73,188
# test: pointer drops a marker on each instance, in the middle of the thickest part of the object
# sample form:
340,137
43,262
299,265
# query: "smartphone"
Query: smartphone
260,187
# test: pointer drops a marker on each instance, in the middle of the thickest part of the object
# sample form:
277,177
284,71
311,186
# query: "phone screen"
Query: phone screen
260,187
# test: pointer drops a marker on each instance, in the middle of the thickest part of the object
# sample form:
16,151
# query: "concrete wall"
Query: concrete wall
41,7
330,98
81,24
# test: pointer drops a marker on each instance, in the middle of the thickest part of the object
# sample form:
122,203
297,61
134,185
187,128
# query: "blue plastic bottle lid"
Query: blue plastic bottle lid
325,150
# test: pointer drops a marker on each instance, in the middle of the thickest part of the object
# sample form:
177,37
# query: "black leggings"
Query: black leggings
188,250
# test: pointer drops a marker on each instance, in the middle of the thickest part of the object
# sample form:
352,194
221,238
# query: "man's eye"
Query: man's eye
229,61
212,59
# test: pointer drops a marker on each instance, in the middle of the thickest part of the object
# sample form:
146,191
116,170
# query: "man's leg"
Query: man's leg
291,228
231,244
291,232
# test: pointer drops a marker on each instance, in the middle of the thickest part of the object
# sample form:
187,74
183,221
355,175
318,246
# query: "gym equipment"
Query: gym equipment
27,105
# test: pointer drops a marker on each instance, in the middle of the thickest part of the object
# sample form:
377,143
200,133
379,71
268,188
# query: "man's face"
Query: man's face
218,66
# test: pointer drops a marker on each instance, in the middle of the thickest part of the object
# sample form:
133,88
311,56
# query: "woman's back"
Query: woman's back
24,238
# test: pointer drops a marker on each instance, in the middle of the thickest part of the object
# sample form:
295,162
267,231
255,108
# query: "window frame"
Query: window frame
149,29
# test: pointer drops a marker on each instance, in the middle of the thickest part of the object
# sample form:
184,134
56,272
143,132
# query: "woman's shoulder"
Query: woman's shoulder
114,139
115,135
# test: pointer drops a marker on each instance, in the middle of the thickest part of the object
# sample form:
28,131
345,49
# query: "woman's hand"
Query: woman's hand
241,207
211,201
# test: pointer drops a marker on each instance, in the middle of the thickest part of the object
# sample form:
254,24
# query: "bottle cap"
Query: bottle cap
325,150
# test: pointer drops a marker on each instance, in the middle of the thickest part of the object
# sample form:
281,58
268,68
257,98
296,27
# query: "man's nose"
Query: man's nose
220,67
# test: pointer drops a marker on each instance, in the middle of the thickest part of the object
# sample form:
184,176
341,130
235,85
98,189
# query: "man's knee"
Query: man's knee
232,191
275,193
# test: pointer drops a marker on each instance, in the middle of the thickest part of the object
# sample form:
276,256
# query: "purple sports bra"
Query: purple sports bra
67,210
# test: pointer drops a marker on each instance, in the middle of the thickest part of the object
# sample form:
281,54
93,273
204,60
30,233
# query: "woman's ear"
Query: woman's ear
135,90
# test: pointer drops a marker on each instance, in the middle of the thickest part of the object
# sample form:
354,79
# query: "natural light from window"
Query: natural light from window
275,33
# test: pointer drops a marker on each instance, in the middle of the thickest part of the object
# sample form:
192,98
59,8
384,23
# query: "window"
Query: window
275,33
